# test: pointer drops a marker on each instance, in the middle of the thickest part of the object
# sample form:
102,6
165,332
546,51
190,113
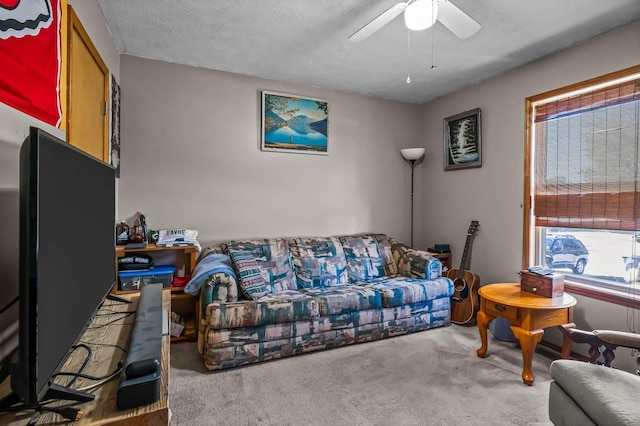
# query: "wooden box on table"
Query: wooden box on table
551,285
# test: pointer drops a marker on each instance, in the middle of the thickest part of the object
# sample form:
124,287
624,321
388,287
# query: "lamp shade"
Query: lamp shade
412,153
421,14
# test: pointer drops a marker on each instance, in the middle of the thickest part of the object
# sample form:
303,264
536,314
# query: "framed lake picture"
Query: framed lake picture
292,123
463,141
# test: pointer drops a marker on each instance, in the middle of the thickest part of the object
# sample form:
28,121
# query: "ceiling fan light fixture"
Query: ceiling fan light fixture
421,14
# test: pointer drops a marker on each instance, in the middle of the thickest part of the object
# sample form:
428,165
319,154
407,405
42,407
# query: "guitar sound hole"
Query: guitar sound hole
459,284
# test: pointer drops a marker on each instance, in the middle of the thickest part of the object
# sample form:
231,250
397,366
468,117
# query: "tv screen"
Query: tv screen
67,255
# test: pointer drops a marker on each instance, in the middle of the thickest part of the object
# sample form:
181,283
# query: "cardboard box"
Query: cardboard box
542,285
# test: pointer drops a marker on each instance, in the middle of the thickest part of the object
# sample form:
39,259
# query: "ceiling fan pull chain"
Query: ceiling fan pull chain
409,53
433,36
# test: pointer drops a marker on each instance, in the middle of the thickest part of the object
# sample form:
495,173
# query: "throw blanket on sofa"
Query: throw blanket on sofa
211,264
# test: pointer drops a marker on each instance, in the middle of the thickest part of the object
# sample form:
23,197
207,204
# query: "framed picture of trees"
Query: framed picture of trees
293,123
463,141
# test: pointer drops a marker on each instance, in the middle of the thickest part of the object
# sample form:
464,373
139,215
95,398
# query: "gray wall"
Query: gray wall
493,193
191,158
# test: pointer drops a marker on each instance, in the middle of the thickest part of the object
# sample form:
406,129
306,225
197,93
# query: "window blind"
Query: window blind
587,159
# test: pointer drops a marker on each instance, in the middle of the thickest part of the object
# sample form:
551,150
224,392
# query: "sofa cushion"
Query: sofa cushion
343,299
398,291
273,258
319,262
384,246
364,261
284,306
251,284
606,395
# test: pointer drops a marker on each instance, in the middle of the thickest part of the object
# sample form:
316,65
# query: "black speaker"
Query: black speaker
440,248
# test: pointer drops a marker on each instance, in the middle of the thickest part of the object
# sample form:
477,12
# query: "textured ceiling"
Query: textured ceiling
306,41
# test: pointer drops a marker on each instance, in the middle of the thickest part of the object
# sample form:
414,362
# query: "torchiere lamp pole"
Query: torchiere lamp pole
412,155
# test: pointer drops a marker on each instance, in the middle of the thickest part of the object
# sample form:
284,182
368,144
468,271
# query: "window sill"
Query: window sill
630,298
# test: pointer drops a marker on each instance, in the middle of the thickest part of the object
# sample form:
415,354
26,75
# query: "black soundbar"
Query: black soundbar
140,377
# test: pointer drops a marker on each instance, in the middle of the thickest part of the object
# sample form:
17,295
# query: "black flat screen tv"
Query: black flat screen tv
67,255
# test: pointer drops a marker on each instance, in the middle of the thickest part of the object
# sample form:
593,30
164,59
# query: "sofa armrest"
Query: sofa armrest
416,263
219,287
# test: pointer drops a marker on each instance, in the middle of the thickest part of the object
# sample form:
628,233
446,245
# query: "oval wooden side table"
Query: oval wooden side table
528,314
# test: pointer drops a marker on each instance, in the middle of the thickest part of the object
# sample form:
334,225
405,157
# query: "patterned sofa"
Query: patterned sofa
292,296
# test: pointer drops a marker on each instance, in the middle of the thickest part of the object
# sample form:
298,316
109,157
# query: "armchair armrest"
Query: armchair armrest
610,339
619,338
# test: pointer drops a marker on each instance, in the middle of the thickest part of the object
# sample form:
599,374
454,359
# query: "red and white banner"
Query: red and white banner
30,57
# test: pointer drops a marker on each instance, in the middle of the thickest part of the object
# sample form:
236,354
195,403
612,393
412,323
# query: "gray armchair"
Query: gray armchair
589,394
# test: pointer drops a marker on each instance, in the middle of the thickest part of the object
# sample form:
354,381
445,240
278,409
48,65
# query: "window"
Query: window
582,176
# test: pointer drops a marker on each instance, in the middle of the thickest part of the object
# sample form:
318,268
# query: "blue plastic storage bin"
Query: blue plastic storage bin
501,329
135,280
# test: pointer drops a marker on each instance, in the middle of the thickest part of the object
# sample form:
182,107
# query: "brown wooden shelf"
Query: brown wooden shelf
187,303
175,296
121,250
445,258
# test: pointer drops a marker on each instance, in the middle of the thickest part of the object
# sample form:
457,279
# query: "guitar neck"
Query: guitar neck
464,262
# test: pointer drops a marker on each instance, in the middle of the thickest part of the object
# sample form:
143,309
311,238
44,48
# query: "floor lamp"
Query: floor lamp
412,155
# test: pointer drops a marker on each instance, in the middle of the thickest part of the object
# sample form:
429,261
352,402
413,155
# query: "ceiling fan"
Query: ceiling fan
421,14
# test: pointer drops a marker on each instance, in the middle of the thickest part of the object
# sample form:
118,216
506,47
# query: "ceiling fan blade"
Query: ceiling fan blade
380,21
458,22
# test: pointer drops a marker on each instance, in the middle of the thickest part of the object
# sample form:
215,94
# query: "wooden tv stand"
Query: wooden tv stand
102,410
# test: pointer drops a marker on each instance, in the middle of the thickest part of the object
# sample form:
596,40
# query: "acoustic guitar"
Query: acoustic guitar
465,301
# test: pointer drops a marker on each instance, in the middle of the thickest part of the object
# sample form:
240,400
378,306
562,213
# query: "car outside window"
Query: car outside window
609,259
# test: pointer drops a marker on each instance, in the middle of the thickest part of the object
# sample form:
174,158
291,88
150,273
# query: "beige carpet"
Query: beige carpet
427,378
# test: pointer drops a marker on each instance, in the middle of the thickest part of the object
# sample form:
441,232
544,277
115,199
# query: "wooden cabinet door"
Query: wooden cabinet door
88,91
